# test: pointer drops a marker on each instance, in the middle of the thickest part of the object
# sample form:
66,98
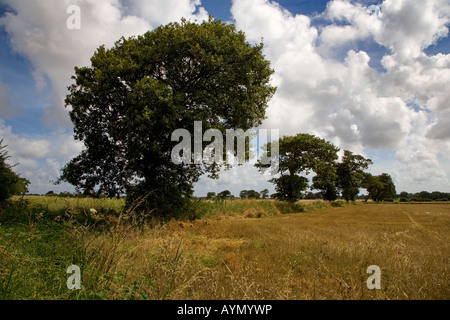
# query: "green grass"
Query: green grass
51,207
251,208
58,205
34,261
40,236
233,249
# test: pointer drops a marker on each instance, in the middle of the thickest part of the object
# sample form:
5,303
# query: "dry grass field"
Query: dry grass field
248,251
313,255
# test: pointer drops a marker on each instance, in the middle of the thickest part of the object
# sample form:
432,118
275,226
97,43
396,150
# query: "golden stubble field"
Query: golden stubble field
312,255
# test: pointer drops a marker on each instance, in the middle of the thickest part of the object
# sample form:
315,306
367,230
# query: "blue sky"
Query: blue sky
370,76
221,9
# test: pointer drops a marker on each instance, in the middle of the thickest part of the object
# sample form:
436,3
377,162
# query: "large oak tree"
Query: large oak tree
128,102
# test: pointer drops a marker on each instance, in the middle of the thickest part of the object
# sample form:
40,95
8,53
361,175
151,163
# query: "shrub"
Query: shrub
10,182
337,203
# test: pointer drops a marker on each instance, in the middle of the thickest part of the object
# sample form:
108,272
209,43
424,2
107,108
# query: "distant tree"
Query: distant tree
350,174
436,195
50,193
290,187
326,181
379,187
388,190
405,195
314,195
318,195
310,195
264,193
65,194
299,154
126,105
210,195
425,195
373,186
243,194
252,194
226,194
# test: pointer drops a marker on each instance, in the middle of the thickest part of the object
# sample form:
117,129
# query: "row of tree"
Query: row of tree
126,105
132,97
424,196
252,194
303,153
244,194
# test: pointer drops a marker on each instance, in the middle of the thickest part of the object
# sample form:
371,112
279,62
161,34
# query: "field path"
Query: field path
422,227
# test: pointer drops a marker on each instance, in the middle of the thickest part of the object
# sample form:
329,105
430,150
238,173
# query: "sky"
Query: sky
372,77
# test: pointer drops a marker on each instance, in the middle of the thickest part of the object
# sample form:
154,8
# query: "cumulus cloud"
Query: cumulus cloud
344,99
158,12
326,84
313,87
351,22
408,27
21,147
39,158
38,30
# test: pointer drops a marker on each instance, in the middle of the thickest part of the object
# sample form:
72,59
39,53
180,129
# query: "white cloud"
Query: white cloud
158,12
408,27
351,22
348,102
38,31
245,177
39,158
35,148
404,109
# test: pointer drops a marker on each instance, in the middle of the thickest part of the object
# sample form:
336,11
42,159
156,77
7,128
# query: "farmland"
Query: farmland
239,249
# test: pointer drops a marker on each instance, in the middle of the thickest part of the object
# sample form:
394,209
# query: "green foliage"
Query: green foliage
326,181
338,204
210,195
34,265
289,207
126,105
264,193
380,188
10,182
317,195
289,187
302,153
299,154
250,194
424,196
350,174
226,194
